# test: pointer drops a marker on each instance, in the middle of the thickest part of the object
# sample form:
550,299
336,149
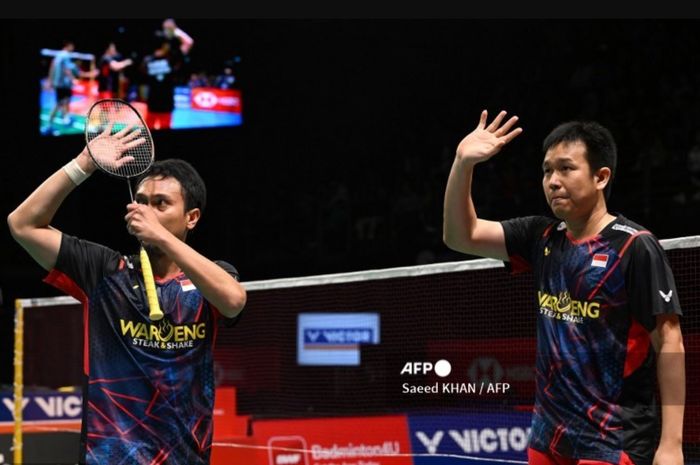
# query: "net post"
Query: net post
17,440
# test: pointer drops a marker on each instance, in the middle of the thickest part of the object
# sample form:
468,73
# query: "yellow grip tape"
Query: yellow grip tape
155,313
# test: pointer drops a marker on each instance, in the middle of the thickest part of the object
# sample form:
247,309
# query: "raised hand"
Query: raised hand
109,150
486,141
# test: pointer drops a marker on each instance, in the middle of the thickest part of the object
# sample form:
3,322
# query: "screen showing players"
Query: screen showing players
158,72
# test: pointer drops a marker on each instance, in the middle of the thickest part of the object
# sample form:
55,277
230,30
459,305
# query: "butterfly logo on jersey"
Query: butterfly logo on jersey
666,297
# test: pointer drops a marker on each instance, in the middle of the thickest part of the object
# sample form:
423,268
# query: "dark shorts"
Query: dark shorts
63,93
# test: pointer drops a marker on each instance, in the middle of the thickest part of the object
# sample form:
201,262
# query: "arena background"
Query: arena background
350,128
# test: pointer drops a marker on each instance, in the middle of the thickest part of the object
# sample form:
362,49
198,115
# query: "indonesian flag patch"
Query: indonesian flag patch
187,285
600,260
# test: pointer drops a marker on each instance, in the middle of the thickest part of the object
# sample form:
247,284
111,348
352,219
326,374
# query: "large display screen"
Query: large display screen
335,338
159,73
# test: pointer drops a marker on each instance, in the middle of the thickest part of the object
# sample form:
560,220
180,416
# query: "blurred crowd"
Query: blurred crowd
392,213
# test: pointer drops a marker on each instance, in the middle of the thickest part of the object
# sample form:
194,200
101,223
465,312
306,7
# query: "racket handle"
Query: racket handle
155,313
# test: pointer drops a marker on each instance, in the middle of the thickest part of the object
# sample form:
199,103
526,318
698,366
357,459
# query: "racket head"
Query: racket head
117,138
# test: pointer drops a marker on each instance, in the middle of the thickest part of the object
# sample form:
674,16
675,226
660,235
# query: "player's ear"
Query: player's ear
193,217
602,177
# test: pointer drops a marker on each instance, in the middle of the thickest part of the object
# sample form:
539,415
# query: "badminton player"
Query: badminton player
149,387
606,301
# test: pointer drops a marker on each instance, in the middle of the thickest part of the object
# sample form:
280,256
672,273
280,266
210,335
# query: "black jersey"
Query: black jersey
149,391
596,302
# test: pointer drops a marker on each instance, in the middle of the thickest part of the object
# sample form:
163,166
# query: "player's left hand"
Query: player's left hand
143,223
668,455
110,149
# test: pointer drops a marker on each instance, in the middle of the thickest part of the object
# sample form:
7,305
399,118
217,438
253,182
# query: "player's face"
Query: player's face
164,196
569,185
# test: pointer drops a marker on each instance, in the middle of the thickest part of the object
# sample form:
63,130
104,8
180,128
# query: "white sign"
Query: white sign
334,338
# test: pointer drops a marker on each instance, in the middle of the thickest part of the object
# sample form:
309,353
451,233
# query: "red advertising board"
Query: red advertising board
211,98
84,95
227,423
85,88
324,441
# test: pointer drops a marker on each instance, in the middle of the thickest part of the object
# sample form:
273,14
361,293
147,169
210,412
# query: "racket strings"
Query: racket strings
118,140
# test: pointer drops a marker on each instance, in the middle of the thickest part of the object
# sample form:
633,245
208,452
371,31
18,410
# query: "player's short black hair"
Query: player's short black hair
601,150
194,191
